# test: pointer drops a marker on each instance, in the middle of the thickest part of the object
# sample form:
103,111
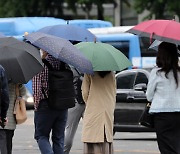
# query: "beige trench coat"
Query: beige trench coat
99,95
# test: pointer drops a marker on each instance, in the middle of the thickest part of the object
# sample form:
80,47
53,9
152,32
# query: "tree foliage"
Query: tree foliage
17,8
162,9
87,5
11,8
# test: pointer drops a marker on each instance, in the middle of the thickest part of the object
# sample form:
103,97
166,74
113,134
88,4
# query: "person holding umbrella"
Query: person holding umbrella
21,62
163,91
99,94
46,119
10,127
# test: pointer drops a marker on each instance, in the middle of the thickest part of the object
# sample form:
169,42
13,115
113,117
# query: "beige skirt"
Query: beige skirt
98,148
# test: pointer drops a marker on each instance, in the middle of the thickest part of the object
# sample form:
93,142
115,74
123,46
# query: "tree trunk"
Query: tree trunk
100,11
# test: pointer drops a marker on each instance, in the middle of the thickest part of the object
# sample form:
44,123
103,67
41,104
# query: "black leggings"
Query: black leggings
167,127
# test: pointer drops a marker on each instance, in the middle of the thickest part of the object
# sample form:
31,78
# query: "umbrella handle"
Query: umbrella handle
151,37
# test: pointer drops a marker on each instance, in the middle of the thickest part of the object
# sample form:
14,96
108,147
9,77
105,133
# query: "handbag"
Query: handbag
146,118
19,108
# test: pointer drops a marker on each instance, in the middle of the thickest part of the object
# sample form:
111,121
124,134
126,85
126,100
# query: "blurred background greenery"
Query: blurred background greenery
119,12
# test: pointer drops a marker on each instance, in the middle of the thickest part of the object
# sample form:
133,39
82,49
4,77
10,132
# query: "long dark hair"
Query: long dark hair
102,74
167,59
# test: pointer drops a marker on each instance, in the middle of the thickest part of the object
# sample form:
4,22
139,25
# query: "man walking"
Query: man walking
48,120
74,114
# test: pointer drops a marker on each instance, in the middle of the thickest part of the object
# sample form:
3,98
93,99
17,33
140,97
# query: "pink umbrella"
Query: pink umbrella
162,30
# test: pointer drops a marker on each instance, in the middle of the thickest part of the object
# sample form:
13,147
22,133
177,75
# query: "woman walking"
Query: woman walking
164,92
99,94
11,124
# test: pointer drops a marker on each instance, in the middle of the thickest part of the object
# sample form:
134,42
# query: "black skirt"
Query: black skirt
167,127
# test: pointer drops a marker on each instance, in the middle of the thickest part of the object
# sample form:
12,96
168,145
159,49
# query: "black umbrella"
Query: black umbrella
21,60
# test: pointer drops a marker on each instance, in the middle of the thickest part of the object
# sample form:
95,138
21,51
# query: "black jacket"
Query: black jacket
4,95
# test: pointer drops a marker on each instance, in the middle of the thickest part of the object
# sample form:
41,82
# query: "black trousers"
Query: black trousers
9,138
3,149
6,137
167,127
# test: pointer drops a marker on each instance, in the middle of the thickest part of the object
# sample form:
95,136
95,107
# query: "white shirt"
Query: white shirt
163,92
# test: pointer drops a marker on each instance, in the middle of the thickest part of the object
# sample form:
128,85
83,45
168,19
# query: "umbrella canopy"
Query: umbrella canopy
104,57
2,35
69,32
21,60
156,44
162,30
61,49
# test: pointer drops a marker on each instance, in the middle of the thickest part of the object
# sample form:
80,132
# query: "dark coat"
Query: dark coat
4,102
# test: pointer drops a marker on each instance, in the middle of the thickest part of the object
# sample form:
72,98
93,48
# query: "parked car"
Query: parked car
130,100
29,100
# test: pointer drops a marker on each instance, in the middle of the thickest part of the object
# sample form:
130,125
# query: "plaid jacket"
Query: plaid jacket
40,81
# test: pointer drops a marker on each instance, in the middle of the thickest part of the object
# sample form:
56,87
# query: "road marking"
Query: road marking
137,151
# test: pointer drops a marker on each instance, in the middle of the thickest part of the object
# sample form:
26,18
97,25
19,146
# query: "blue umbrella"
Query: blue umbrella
61,49
2,35
69,32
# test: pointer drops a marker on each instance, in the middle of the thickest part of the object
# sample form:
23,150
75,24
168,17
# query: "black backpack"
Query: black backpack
61,93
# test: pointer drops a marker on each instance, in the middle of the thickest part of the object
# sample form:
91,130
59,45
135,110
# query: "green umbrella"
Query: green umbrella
104,57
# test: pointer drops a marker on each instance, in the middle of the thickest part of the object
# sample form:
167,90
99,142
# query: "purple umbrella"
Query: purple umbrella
61,49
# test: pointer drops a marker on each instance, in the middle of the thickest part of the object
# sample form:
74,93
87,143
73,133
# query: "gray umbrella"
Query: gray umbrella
21,60
155,45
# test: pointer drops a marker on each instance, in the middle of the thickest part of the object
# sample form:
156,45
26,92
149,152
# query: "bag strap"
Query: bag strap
17,95
17,91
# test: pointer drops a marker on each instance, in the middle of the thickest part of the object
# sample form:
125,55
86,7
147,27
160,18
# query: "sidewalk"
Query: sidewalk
24,142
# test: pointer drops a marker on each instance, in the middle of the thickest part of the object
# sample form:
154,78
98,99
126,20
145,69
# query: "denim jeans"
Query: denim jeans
46,121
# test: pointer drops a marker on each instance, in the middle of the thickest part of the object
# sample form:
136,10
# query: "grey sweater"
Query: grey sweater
11,125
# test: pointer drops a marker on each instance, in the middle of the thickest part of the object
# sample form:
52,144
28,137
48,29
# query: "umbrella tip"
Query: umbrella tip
67,22
26,33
